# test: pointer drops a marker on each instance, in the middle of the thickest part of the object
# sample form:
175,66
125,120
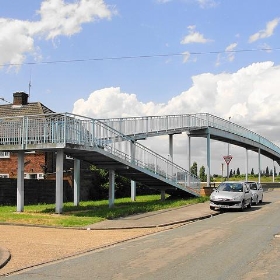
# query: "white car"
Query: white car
257,191
231,194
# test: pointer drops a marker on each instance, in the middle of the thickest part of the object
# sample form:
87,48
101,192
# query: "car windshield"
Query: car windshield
253,186
230,187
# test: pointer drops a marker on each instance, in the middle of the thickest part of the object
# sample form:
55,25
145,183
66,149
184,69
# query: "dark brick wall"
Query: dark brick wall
35,191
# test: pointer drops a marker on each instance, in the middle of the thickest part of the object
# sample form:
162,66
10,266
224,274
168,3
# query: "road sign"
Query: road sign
227,159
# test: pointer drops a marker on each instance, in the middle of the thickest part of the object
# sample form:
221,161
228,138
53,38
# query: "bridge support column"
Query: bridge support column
208,160
246,165
171,147
111,188
133,190
189,161
77,182
273,170
59,182
259,161
132,183
20,182
162,195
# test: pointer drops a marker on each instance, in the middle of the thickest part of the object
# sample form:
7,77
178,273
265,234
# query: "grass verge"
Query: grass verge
88,212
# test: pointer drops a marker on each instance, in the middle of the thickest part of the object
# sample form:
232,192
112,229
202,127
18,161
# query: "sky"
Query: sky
116,58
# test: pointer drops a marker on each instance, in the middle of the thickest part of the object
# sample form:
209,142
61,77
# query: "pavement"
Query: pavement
161,218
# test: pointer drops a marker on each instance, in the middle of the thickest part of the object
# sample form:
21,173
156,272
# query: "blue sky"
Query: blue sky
148,57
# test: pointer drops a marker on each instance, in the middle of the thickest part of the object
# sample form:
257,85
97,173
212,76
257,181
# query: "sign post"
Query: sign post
227,159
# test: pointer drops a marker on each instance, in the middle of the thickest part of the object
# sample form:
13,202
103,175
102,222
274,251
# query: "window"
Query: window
4,154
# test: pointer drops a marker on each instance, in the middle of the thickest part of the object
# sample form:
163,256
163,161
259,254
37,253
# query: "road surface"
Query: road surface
234,245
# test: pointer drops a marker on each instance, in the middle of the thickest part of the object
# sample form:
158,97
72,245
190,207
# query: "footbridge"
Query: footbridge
93,141
112,144
196,125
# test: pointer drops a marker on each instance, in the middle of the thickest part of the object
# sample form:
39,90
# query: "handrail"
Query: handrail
66,128
149,124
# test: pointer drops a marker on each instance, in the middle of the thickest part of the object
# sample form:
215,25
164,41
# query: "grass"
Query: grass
88,212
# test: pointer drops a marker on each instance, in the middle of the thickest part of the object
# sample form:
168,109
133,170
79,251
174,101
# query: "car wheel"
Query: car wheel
212,208
250,203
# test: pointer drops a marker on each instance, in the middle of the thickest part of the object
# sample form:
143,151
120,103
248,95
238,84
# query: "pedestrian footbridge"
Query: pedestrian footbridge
113,144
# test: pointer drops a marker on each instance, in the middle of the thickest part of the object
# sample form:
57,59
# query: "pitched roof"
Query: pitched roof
33,108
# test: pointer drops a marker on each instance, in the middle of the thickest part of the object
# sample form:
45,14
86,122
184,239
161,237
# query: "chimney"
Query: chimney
20,98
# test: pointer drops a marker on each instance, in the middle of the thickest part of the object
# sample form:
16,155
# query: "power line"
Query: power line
139,57
2,98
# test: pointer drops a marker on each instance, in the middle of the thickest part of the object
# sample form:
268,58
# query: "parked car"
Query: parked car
257,191
231,195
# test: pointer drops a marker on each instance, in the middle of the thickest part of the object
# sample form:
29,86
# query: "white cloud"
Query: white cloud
194,37
230,50
163,1
250,96
230,54
267,32
58,18
111,102
186,56
207,3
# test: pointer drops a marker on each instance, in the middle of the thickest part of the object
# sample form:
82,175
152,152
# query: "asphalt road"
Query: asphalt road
234,245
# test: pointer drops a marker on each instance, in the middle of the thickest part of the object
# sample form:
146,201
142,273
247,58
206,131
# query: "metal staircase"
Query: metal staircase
98,143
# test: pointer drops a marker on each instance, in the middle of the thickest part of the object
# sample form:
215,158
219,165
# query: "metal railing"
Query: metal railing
155,124
65,128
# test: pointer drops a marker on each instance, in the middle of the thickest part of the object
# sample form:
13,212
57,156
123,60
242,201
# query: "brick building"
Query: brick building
36,164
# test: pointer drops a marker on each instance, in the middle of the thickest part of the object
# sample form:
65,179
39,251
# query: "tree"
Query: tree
194,169
238,171
267,172
252,171
230,173
270,172
202,175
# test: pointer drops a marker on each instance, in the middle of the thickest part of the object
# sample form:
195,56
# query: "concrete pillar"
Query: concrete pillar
77,182
20,182
208,160
59,182
111,188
